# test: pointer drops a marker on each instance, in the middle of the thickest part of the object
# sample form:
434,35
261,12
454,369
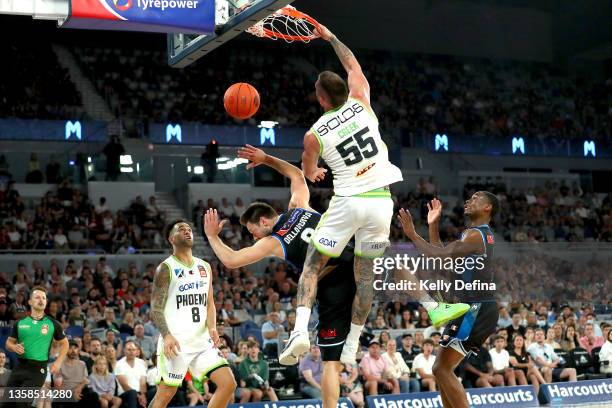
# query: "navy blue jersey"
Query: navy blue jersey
294,229
479,269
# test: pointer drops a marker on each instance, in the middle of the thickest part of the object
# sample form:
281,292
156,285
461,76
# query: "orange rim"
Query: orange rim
295,15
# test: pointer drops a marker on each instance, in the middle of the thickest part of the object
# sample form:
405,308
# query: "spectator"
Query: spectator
113,151
375,369
423,366
570,340
550,339
590,341
243,395
146,343
521,361
109,320
104,384
605,356
310,369
52,171
398,369
349,385
34,174
515,326
504,318
73,376
127,325
111,356
406,321
479,370
131,373
5,373
254,374
270,331
500,360
547,360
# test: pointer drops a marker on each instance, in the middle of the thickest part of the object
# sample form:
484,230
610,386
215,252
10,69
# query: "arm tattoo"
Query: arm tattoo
343,52
364,278
161,284
307,286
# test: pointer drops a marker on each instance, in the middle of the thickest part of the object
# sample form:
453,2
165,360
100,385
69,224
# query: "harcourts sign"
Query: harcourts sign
562,394
522,396
308,403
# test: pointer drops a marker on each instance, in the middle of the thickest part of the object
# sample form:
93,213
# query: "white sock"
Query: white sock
429,305
354,334
302,317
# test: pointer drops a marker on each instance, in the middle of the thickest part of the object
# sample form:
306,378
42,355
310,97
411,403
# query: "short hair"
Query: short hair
429,341
255,211
492,199
39,288
251,344
171,225
539,329
334,86
498,337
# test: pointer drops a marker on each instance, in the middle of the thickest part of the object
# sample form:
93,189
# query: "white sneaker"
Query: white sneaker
349,352
298,344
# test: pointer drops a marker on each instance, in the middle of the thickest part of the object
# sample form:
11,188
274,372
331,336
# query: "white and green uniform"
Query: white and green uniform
186,312
351,145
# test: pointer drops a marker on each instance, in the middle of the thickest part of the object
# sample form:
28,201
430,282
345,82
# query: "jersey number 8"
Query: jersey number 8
365,148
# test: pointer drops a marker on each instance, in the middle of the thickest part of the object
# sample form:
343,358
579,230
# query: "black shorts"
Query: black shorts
335,295
467,333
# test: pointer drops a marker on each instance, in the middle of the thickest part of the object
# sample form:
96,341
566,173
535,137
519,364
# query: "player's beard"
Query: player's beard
182,242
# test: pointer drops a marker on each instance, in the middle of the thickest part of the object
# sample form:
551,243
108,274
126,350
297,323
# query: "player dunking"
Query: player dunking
466,334
183,310
348,139
287,236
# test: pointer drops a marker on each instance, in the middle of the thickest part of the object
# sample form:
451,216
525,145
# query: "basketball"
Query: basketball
241,100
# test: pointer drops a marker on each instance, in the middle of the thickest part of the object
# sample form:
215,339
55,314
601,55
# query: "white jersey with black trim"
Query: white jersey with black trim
187,303
352,147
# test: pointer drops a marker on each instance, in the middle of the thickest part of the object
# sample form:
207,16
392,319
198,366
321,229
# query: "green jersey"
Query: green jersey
249,369
36,336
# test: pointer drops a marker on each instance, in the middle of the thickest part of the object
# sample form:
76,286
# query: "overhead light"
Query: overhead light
198,170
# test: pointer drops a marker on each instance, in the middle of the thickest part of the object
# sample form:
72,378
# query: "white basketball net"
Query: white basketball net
286,24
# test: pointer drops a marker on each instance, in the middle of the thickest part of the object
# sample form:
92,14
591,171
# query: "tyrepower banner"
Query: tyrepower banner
502,397
566,393
162,16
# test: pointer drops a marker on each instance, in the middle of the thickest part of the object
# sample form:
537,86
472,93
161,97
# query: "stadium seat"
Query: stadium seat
566,359
583,362
74,331
254,332
247,326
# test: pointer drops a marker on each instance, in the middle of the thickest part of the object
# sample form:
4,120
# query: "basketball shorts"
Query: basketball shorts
335,295
467,333
171,371
366,216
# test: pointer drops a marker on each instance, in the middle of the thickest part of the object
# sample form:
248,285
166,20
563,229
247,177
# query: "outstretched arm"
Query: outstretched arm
359,87
265,247
300,195
433,220
471,244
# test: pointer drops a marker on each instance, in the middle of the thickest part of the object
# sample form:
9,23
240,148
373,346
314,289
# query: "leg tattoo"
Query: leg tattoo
364,278
307,286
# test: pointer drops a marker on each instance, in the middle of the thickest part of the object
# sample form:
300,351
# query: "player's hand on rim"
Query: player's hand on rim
406,220
253,154
434,213
323,32
171,346
212,225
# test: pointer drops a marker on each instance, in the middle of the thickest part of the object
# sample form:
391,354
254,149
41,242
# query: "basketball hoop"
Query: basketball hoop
287,24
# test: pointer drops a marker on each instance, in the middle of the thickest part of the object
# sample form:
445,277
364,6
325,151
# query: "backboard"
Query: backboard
184,49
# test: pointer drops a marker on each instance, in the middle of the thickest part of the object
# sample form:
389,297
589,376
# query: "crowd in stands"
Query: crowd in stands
105,313
29,92
65,220
420,94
